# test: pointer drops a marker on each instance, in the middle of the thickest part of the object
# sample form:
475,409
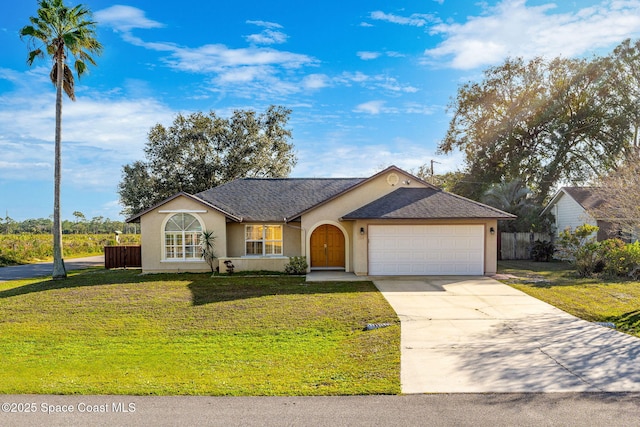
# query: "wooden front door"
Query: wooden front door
327,247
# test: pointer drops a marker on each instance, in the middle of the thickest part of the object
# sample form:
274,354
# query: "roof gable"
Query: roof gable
425,203
136,217
586,197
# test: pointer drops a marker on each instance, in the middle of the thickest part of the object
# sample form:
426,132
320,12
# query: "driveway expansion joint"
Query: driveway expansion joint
563,366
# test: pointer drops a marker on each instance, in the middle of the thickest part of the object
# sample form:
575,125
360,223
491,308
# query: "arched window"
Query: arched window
182,238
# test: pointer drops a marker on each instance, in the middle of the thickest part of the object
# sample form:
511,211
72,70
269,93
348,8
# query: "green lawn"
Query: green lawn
119,332
593,299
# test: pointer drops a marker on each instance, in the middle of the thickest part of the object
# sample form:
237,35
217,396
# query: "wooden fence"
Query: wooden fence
122,257
518,245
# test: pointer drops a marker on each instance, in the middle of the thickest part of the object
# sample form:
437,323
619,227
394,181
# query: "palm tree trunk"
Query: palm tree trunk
59,271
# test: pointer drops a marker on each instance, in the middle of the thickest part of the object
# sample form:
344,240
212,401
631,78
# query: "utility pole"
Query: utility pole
432,162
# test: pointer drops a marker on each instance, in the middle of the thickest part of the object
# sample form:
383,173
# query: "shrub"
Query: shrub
542,250
620,259
581,249
207,240
296,265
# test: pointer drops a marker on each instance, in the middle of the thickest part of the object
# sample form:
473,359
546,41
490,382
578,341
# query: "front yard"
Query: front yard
119,332
593,299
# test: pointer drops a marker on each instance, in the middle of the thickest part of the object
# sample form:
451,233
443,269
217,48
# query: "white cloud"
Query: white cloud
265,24
99,134
242,70
365,159
511,28
376,82
414,20
267,37
218,57
124,18
316,81
380,107
366,55
392,85
371,107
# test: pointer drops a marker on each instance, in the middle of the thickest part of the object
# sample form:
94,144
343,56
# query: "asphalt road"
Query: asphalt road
532,409
44,269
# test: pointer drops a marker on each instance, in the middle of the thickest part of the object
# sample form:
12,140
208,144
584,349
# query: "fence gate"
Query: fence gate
122,256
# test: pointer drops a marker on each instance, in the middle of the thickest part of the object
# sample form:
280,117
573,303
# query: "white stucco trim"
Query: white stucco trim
347,243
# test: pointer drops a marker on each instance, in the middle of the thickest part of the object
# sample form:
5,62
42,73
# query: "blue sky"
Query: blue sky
368,81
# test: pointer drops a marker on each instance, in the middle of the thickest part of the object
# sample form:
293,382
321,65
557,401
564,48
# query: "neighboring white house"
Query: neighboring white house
570,207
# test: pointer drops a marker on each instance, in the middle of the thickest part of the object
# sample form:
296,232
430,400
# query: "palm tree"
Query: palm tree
516,198
56,32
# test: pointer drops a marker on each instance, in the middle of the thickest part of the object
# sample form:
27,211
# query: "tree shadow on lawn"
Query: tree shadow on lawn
204,289
628,322
84,278
212,291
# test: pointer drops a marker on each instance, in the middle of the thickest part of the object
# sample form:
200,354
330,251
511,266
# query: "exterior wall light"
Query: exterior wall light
492,231
362,231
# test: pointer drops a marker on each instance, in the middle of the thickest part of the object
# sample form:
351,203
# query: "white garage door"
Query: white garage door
426,249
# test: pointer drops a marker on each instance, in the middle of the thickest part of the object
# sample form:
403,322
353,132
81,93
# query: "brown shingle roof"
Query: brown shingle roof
425,203
585,196
274,199
286,199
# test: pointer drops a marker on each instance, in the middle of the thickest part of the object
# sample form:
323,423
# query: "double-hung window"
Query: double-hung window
263,240
182,238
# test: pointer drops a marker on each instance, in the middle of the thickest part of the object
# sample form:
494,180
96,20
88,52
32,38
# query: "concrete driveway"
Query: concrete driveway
477,335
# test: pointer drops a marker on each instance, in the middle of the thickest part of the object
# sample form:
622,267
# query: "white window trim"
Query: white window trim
164,242
264,241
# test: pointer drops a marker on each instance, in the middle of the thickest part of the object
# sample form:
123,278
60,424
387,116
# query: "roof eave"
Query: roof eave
136,218
508,218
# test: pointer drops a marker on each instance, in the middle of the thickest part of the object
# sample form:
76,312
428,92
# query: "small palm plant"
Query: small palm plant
207,240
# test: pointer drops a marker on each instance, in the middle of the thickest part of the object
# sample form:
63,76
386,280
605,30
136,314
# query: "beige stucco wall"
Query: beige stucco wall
331,212
152,227
254,263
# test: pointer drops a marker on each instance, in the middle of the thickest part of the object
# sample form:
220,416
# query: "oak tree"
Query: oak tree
201,151
541,121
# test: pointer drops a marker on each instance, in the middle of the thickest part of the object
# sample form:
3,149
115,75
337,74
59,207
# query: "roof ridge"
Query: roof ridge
300,178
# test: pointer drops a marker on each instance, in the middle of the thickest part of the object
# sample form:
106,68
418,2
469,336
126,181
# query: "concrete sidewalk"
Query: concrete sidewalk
474,334
43,269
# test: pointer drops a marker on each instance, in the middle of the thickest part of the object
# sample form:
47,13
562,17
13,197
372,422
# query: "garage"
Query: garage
426,250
